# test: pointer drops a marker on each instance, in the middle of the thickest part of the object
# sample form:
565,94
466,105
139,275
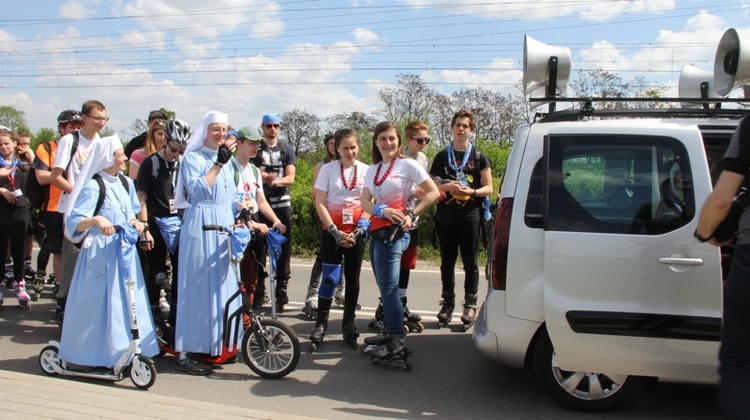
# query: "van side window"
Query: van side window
618,184
533,214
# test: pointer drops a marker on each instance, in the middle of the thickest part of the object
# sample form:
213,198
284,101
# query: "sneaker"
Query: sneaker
192,366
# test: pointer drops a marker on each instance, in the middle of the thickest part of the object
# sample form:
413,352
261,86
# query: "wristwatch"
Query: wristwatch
701,238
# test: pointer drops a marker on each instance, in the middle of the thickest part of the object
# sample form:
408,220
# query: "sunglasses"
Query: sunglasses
421,140
270,126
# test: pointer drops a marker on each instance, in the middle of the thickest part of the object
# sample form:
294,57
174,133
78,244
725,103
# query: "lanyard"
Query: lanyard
452,158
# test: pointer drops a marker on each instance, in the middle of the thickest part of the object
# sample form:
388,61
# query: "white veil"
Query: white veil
196,142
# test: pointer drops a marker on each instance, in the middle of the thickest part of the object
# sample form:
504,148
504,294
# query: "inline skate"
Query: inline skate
350,332
445,315
23,298
470,311
393,352
38,284
321,324
2,292
310,309
412,321
378,323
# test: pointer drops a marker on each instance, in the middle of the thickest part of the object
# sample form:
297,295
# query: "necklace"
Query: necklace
385,175
354,178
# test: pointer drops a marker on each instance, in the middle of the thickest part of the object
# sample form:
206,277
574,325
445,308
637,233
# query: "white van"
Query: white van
595,278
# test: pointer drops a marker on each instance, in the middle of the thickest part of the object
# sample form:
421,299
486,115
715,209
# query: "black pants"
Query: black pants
331,254
156,262
13,222
463,236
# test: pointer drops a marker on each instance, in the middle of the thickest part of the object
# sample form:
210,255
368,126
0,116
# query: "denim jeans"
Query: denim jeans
386,264
734,355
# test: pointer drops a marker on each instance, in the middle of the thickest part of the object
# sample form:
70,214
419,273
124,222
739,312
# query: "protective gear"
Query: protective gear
69,115
331,277
224,154
329,135
178,131
336,233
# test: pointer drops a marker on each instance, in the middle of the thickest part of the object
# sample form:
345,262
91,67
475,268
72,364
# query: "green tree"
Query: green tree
13,118
44,134
300,128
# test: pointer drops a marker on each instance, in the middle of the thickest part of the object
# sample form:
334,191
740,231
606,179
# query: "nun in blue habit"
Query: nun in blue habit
96,327
207,191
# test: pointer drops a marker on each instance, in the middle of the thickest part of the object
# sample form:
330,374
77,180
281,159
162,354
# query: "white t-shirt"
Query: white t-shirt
343,204
62,157
396,189
248,184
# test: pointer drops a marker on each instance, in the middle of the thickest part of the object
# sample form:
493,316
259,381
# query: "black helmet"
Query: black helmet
69,115
329,135
178,131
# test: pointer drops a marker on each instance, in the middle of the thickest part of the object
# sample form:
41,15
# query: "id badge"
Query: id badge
17,193
347,216
172,208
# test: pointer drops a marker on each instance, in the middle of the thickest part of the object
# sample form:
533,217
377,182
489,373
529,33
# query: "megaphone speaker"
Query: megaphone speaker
696,83
536,64
732,63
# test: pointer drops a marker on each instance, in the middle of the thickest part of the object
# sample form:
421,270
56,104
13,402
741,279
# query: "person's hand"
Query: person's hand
105,226
268,177
231,143
150,244
9,196
393,215
280,226
261,228
224,154
6,171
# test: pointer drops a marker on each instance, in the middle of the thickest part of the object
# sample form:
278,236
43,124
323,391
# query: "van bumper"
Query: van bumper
500,337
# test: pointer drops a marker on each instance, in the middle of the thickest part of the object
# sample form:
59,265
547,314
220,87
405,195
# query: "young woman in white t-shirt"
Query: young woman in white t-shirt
388,185
338,190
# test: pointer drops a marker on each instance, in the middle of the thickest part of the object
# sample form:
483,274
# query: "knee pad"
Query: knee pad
331,277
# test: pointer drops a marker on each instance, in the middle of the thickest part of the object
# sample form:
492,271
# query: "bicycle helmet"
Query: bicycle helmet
178,131
69,115
329,135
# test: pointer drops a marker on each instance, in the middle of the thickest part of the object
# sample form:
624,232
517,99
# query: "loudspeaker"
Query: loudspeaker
696,83
540,61
732,63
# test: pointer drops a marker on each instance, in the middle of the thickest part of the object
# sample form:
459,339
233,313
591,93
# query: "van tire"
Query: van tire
615,389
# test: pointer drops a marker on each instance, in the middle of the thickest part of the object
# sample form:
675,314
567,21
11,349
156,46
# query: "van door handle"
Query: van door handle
681,261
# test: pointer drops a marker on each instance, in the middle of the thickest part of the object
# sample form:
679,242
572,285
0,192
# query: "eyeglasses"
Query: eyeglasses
421,140
99,119
270,126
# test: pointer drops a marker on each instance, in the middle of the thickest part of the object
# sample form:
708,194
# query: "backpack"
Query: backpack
36,193
102,194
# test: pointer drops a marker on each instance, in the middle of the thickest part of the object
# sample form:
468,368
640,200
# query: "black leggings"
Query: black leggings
329,254
13,222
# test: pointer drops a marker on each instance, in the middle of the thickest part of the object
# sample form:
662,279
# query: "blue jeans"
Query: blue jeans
386,265
734,355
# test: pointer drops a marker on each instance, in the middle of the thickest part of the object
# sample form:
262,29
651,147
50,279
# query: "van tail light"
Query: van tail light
500,246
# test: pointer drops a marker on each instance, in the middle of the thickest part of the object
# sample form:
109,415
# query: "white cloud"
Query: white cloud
75,9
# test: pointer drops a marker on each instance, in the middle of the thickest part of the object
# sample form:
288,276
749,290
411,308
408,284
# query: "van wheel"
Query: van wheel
581,391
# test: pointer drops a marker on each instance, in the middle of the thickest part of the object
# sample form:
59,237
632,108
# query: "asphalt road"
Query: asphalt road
449,379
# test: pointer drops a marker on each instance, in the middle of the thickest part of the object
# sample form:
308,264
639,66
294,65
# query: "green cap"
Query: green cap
249,134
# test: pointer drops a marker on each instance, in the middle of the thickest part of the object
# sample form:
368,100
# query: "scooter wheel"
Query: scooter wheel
271,350
49,360
142,372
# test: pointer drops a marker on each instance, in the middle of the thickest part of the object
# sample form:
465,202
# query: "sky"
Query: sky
252,57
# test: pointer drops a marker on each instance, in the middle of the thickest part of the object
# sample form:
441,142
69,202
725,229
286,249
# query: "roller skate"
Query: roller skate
412,321
2,292
350,333
470,311
23,298
392,352
310,309
317,335
445,315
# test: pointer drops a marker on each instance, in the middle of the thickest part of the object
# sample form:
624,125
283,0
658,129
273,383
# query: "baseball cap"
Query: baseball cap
248,133
271,118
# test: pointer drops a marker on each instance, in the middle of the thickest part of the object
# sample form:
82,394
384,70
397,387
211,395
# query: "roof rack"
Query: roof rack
587,110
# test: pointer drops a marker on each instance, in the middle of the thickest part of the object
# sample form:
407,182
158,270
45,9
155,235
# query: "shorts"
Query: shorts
53,225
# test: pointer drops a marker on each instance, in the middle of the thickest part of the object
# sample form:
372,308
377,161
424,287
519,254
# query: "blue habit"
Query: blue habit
205,280
96,326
